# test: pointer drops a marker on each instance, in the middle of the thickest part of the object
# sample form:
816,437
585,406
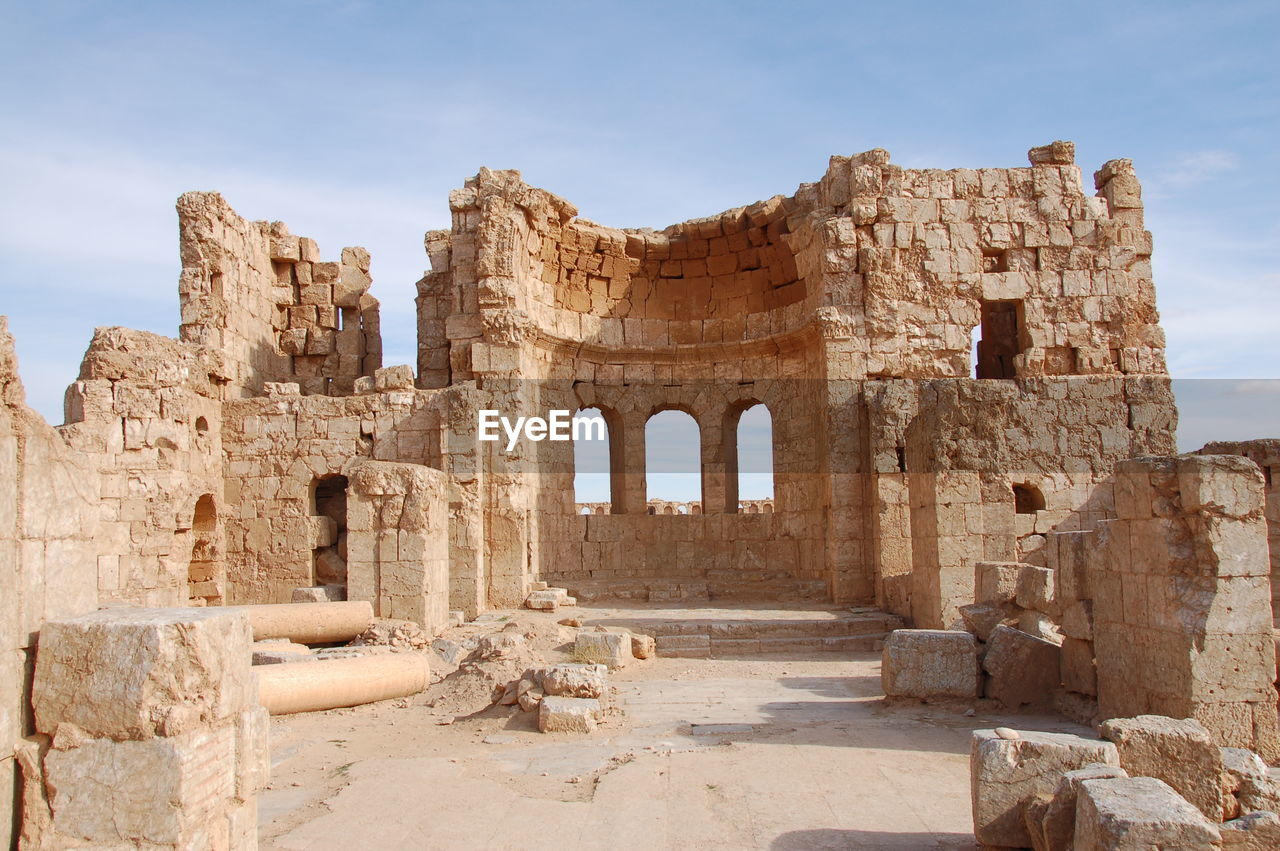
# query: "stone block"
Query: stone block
1077,620
1025,671
398,377
1040,625
995,582
1224,485
606,648
1035,589
319,594
1005,774
157,791
133,673
1055,153
576,681
1058,823
549,599
643,646
1246,779
1078,671
1139,812
1178,752
982,618
930,664
568,714
1258,831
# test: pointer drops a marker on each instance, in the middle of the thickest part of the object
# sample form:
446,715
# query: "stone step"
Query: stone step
685,634
706,647
666,590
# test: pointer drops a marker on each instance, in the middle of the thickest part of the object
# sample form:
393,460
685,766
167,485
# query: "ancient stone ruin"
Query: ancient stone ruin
973,435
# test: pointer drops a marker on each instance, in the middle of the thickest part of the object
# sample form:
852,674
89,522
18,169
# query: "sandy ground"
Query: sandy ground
770,752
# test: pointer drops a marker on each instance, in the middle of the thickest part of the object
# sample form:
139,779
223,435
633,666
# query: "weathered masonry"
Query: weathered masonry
954,362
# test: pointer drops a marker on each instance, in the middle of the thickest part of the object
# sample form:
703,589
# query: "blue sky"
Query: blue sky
351,121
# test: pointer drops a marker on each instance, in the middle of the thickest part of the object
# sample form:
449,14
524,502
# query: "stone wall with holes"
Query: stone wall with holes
284,443
949,455
264,300
1266,454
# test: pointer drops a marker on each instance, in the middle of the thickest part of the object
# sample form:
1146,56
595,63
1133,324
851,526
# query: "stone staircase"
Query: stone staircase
698,633
736,587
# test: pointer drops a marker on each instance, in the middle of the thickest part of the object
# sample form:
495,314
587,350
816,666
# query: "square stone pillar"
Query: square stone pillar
398,541
150,732
1182,599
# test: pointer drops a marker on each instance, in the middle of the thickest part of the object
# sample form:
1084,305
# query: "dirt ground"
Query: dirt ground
768,752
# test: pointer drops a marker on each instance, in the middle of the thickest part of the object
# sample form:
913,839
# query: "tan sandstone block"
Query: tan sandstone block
132,673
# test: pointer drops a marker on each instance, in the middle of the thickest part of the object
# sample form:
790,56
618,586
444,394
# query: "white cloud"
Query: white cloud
1196,167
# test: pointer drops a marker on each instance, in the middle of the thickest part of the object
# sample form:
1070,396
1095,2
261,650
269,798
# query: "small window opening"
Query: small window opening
203,586
1000,342
1027,499
202,426
995,260
330,500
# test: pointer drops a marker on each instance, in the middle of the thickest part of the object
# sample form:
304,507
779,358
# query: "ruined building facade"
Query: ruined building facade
266,448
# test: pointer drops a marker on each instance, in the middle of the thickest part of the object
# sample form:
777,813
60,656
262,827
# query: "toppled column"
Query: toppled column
1182,601
310,623
150,733
334,683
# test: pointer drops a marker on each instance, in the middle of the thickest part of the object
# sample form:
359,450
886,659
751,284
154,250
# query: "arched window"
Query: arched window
202,579
597,454
748,455
1027,499
673,457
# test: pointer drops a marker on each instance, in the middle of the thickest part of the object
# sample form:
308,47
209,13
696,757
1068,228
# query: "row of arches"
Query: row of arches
673,460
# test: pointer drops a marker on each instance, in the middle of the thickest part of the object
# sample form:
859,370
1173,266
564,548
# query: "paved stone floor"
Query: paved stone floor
770,752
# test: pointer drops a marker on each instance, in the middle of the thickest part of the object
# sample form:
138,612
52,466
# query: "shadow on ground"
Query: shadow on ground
808,840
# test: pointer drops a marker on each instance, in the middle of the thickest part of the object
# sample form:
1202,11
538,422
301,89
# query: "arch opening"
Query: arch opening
329,558
673,458
597,460
748,455
203,585
1027,499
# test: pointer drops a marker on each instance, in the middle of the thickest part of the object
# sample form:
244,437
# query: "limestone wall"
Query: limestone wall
269,306
873,274
145,417
48,521
1266,454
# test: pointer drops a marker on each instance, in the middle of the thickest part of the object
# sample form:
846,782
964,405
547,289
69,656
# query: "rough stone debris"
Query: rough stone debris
1179,752
607,648
150,732
1139,812
1258,831
267,450
1007,774
1053,827
930,664
568,714
1023,670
